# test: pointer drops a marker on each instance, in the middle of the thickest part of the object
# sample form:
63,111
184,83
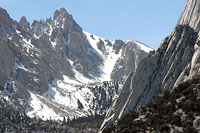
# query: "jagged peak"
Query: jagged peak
23,18
34,23
118,41
65,21
63,10
3,12
61,13
24,22
4,15
6,23
49,20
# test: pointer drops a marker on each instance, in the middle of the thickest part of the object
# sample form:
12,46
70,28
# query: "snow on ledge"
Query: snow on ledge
41,110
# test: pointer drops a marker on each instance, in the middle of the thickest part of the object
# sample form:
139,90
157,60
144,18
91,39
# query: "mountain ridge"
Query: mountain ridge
176,111
175,61
53,65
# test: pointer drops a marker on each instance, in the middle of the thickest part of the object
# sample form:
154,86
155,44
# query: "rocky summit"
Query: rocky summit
175,61
52,69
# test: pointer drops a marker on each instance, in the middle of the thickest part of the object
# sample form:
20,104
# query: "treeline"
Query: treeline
12,120
92,121
178,111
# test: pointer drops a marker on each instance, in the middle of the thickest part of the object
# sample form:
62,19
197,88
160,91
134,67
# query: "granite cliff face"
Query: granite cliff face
176,60
175,112
55,66
191,15
130,57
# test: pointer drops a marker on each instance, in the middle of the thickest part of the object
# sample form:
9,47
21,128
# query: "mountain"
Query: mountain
53,69
176,60
11,120
178,111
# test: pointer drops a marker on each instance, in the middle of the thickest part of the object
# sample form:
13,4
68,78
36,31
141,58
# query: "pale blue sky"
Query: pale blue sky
148,21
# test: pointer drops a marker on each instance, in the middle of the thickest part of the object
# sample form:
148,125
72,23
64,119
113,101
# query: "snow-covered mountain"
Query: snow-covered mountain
176,60
53,69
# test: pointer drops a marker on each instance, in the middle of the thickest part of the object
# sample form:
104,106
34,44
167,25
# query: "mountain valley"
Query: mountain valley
54,66
56,77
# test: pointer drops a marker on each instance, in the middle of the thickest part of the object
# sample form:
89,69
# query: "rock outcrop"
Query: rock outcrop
130,57
177,111
23,22
191,14
176,60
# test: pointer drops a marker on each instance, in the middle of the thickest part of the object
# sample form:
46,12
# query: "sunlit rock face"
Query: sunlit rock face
176,60
191,14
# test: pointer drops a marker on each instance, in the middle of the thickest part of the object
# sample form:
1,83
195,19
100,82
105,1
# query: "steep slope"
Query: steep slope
131,55
11,120
55,67
191,15
178,111
119,58
175,61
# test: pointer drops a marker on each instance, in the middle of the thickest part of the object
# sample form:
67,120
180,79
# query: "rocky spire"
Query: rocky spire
5,19
6,24
23,21
64,20
61,13
3,14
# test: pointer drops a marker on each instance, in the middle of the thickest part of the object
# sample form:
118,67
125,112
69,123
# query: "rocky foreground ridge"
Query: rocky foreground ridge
178,111
176,60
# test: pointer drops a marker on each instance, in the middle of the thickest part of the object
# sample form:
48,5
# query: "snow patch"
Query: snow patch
94,40
22,67
21,101
39,109
108,55
109,64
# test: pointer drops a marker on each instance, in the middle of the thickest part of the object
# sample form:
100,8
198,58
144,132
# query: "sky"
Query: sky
147,21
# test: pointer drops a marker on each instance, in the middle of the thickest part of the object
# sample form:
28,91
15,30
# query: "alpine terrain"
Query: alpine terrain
177,60
174,112
52,69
